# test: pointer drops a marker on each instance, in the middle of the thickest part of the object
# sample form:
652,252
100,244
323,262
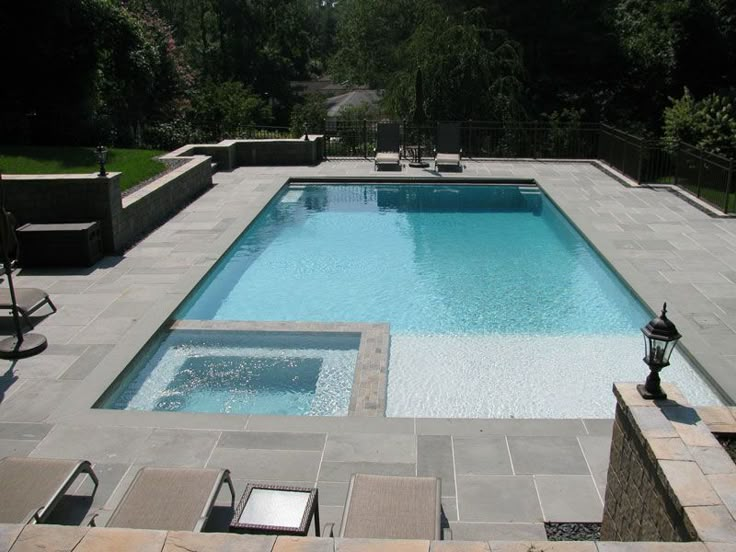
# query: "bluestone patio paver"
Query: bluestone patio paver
569,497
177,447
547,455
14,447
271,465
498,531
435,458
597,450
482,456
272,440
497,498
24,431
341,471
367,447
107,445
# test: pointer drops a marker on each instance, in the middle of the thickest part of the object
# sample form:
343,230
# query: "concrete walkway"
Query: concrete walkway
501,478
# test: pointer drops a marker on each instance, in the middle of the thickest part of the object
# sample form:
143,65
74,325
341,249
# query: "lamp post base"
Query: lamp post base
32,344
656,396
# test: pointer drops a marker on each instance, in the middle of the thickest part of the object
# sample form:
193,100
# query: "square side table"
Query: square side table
276,510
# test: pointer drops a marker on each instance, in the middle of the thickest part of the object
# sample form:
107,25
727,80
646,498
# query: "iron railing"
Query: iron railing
479,139
707,176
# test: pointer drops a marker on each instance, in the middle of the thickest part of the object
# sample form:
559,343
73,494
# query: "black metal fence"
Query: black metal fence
707,176
479,139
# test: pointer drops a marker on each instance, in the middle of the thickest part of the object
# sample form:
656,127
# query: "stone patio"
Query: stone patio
501,478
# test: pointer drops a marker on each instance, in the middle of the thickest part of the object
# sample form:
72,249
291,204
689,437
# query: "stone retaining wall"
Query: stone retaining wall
148,207
230,154
85,198
669,479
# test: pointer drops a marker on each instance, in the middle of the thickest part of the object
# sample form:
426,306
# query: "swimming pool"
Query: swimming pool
495,302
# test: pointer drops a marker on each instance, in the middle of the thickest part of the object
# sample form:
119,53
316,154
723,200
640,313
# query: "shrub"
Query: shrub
709,124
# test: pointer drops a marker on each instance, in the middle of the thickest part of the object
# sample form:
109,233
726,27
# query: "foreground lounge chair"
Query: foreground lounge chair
389,507
28,301
174,499
449,151
30,488
388,144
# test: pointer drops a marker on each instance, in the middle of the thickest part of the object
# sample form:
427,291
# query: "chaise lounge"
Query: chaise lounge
28,301
390,507
449,151
173,499
30,488
388,145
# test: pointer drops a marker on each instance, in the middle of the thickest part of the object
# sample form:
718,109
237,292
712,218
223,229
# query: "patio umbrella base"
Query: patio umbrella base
419,164
32,344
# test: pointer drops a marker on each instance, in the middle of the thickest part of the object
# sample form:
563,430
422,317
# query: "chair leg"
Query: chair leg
92,475
25,316
51,304
229,482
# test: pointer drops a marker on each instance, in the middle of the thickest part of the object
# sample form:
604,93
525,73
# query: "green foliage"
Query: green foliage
135,164
225,110
709,124
680,122
311,112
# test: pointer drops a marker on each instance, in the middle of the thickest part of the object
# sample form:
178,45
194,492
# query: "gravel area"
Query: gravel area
573,531
728,441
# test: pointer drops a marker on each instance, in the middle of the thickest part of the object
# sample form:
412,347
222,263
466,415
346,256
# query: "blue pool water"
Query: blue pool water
496,303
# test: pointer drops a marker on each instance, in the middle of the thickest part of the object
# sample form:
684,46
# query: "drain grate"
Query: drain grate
568,531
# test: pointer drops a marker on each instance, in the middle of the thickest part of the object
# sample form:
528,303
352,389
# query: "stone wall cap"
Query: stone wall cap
627,396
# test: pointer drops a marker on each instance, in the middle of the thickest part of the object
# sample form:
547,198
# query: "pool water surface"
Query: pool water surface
497,306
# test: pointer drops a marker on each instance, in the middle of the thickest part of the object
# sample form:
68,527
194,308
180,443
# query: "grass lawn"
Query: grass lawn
136,165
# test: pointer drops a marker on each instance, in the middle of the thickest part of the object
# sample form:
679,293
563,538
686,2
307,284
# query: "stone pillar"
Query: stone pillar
669,479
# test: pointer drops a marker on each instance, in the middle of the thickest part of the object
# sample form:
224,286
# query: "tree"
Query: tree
310,112
226,110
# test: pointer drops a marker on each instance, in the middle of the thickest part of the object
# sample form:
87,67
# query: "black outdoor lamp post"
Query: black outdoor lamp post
306,132
660,338
101,159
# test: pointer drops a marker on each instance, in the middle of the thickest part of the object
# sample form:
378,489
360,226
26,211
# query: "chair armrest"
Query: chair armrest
328,530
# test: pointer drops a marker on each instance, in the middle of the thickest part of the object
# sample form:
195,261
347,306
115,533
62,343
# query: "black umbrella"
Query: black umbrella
419,118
